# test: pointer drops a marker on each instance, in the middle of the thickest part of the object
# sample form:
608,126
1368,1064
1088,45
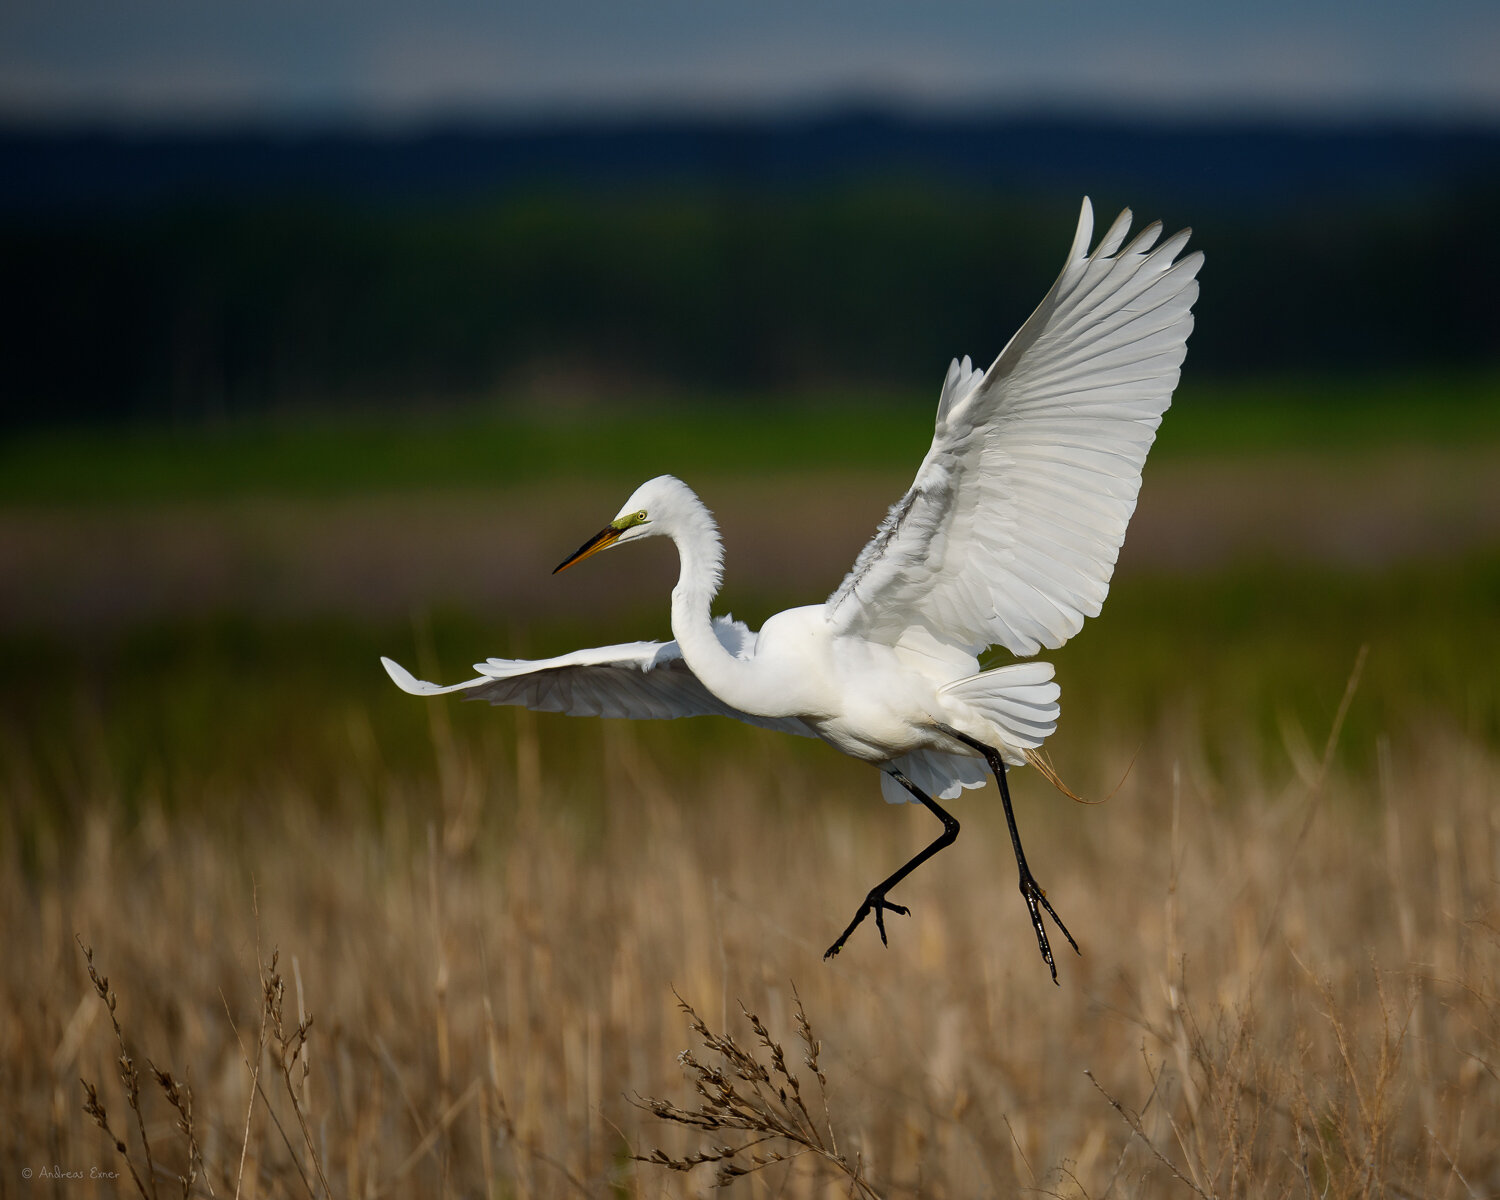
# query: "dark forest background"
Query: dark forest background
187,274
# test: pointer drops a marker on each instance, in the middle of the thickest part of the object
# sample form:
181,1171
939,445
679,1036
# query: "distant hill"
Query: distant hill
1227,163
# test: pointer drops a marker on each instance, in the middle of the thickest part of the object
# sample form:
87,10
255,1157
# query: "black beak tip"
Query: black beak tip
606,535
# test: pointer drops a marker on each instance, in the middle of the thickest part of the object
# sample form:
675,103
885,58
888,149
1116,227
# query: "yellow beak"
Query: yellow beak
602,540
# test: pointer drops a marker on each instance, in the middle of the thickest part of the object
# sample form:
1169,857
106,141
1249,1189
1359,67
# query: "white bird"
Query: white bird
1008,536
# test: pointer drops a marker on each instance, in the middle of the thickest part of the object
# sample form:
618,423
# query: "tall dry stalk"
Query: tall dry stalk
741,1093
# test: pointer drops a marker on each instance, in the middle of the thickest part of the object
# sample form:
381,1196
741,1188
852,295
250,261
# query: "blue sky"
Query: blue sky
385,61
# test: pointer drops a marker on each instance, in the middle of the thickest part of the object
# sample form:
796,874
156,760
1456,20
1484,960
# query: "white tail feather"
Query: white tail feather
1020,701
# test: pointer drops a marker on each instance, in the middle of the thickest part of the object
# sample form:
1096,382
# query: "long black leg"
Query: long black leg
1030,889
876,902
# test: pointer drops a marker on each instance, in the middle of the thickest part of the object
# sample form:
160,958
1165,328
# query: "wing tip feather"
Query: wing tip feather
1114,236
403,678
1085,231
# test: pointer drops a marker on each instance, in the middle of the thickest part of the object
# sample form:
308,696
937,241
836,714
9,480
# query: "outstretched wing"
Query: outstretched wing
639,680
1010,532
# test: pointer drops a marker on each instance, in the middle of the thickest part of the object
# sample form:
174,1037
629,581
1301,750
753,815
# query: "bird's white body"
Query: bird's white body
1008,536
870,699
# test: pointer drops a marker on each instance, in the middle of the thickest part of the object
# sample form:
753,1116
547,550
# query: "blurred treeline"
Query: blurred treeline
190,276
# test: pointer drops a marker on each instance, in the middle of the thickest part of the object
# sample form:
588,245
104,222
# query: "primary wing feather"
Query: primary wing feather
636,680
1010,532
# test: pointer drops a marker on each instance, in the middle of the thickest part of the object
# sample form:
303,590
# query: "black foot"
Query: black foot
877,903
1034,896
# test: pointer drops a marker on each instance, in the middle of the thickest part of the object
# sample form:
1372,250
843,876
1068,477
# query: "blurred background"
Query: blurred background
265,254
213,216
331,329
368,315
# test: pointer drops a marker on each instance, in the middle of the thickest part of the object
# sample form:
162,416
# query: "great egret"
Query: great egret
1008,536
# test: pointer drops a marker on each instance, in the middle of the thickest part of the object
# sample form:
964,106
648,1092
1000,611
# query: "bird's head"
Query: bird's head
650,511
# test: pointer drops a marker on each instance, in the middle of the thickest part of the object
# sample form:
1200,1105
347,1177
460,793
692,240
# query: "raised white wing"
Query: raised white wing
639,680
1010,532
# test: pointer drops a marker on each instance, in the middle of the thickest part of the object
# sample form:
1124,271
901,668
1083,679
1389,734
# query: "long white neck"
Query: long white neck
702,556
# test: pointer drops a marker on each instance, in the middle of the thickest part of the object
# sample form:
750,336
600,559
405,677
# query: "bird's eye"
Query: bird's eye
641,516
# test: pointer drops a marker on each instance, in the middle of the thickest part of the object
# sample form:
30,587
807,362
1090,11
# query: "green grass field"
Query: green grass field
342,455
1287,902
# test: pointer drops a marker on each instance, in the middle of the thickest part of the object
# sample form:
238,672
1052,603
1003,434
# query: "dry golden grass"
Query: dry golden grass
461,982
